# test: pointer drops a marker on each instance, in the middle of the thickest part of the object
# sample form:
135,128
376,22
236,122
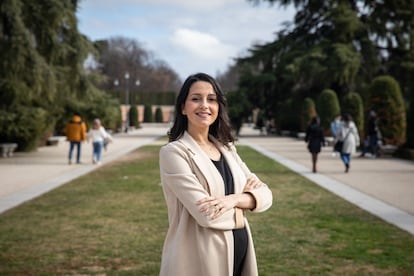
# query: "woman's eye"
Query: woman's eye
212,99
195,99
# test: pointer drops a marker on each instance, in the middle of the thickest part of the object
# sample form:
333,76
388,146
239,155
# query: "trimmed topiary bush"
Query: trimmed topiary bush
386,100
410,124
352,104
327,107
133,116
148,113
308,111
158,115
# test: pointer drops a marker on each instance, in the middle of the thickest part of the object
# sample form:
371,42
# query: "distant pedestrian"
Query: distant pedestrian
76,134
99,136
348,133
335,126
315,139
372,136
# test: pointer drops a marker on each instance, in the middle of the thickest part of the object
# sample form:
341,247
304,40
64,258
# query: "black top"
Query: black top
239,235
315,138
372,126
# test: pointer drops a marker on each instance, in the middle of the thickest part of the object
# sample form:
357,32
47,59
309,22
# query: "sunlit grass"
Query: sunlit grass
113,221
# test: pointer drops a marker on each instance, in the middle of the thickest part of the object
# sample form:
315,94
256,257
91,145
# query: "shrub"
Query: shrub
386,100
352,104
158,115
133,116
24,126
327,107
410,124
307,113
148,113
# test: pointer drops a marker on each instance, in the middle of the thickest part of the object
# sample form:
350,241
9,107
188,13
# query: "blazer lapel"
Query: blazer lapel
205,165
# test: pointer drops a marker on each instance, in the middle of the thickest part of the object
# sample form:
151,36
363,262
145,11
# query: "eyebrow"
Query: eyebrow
199,94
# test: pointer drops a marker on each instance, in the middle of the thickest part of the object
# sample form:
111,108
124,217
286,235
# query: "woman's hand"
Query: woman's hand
252,183
214,207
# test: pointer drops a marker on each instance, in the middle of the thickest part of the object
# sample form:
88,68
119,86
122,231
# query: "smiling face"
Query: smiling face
201,106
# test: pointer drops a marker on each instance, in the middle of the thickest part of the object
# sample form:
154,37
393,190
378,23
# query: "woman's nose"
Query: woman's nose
204,103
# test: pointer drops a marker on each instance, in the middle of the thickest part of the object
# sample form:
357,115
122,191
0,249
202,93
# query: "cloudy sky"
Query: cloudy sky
189,35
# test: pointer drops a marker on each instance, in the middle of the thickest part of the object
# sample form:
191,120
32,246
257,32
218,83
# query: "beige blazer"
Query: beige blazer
195,244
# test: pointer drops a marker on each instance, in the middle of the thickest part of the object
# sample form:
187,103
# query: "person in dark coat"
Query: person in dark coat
315,139
372,136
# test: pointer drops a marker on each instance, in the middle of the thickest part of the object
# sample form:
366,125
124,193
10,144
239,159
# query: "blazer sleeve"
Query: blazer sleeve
180,183
262,195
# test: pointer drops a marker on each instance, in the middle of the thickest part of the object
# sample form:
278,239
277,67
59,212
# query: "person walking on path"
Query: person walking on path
348,133
208,188
76,134
315,139
99,136
335,126
372,137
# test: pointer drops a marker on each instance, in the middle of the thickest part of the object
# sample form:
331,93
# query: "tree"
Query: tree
119,55
41,74
340,45
239,109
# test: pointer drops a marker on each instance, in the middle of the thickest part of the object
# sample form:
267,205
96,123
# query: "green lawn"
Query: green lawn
113,222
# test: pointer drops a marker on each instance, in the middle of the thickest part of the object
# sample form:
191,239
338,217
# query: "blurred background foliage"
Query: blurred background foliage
359,50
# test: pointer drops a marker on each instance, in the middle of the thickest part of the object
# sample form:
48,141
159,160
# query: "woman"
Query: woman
98,135
315,139
208,189
348,133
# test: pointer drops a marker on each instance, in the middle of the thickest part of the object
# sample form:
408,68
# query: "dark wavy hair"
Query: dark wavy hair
347,118
315,120
220,129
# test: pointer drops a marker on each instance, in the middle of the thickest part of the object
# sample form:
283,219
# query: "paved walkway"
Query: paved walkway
28,175
383,186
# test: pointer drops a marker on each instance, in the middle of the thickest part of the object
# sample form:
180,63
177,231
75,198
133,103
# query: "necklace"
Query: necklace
209,146
210,149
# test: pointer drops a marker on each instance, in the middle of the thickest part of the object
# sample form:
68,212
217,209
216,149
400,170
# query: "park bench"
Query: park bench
329,141
54,140
387,149
301,135
7,149
285,133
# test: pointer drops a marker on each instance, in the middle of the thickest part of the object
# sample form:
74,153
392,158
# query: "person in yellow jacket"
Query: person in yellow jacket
75,133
